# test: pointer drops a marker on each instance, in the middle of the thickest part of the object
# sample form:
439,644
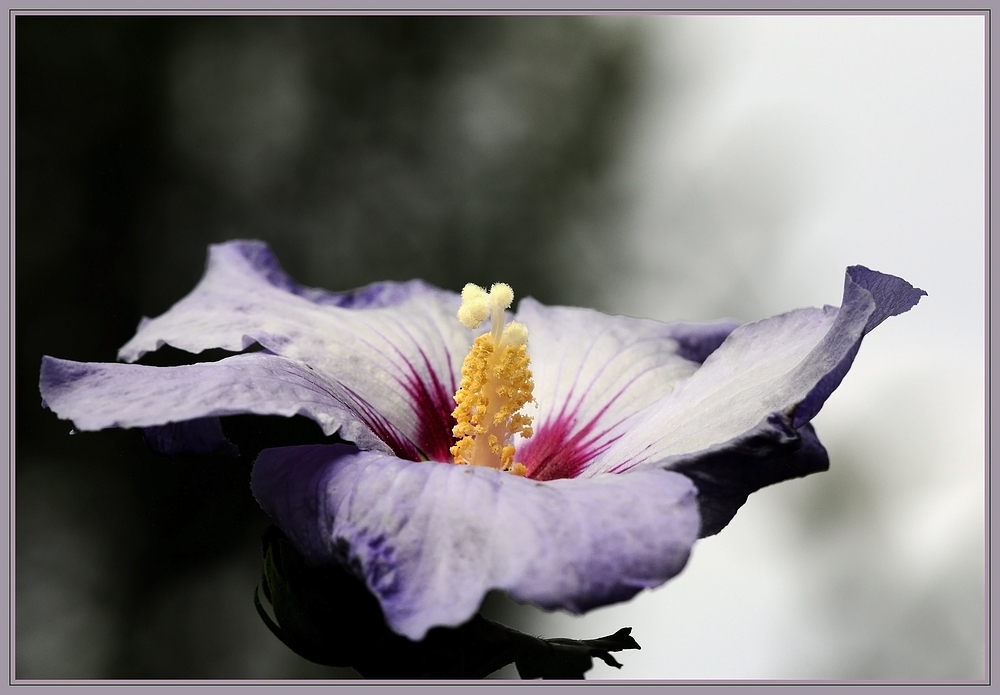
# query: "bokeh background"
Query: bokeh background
669,167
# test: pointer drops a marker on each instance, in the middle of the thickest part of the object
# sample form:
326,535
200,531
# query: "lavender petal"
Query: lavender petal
725,475
431,539
592,373
97,395
786,365
891,296
398,349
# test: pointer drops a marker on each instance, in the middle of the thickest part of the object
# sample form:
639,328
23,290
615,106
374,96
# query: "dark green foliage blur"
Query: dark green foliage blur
454,149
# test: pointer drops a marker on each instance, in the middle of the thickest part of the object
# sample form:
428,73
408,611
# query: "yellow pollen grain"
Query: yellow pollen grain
496,384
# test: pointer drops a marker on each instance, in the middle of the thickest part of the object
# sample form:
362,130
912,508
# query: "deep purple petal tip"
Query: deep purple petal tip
893,295
865,291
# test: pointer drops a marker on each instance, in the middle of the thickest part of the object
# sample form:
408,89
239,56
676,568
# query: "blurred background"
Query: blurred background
669,167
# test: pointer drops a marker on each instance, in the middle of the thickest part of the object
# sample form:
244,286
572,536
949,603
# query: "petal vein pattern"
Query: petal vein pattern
97,396
593,374
430,541
395,361
785,366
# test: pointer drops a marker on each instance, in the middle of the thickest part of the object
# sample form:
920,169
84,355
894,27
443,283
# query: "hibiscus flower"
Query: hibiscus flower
566,457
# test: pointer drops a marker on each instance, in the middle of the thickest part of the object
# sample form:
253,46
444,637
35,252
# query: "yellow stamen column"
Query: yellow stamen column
496,383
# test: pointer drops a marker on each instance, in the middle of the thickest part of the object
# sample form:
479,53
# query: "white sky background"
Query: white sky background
799,146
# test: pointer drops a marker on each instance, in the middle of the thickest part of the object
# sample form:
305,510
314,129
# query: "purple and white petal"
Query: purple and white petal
892,296
696,341
787,364
430,539
96,396
257,259
395,348
726,474
593,372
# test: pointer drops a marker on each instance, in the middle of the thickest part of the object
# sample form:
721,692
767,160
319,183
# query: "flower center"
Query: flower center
496,383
